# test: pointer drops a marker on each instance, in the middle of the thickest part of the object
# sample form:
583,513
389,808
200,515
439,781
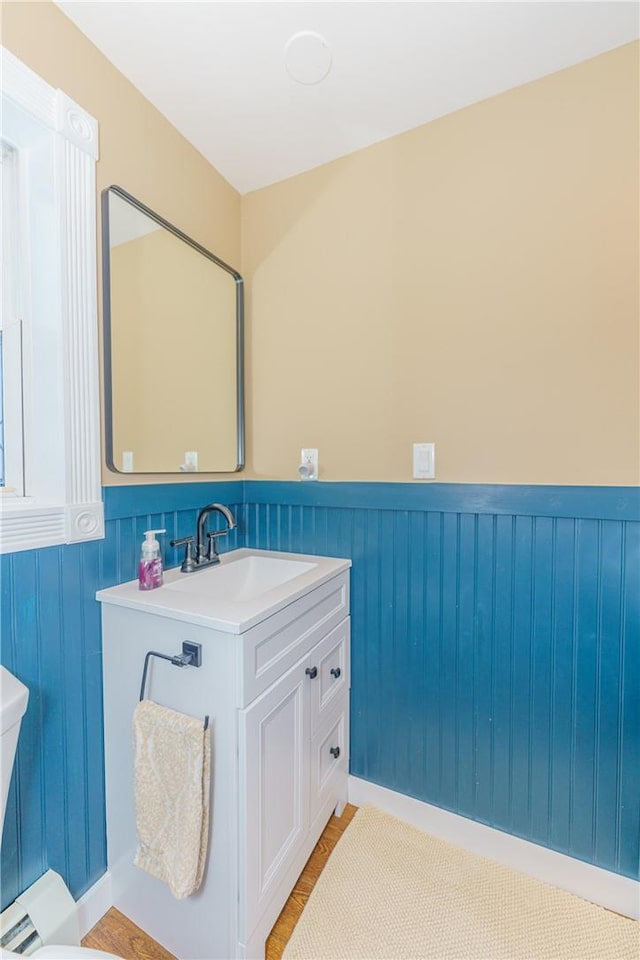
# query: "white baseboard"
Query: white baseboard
592,883
94,904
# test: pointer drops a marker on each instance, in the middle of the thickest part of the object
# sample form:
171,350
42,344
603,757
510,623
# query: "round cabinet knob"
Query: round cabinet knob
335,752
311,672
335,672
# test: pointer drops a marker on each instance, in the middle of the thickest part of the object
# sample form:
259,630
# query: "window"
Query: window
50,490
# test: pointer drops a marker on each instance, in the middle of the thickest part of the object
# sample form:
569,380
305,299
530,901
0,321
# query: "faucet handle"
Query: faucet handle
183,541
188,564
213,550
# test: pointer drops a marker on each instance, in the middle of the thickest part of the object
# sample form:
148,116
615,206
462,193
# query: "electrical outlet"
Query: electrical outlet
308,468
127,461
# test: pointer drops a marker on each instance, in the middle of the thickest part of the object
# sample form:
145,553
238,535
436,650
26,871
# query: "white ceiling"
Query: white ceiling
216,70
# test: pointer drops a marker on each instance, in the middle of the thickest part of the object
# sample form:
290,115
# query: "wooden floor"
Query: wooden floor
283,927
116,934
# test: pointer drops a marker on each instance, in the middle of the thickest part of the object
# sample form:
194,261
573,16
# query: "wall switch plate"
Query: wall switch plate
424,461
127,461
191,460
308,468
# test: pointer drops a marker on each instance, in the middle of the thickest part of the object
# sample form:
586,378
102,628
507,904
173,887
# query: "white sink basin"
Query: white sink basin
242,580
244,588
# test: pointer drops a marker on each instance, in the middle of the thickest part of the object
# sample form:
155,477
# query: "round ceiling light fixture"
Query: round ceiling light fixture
307,57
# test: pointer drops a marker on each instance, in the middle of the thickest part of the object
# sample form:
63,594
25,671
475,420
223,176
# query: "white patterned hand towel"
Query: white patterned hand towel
172,771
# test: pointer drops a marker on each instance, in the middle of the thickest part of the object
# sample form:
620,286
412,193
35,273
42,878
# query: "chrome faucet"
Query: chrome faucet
204,557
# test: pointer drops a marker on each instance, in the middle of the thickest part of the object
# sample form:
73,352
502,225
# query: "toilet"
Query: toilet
13,703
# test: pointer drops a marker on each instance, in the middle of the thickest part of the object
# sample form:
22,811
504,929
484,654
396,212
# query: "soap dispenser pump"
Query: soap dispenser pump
150,566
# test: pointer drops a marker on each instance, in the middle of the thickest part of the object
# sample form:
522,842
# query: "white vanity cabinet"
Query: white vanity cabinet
294,743
275,683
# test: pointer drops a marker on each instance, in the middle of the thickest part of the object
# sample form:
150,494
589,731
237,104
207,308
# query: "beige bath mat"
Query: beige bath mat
392,892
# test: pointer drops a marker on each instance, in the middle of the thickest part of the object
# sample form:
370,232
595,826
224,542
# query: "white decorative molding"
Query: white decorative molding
610,890
27,89
75,513
85,521
29,528
76,125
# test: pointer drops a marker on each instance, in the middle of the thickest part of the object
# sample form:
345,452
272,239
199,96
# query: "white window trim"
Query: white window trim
12,372
77,514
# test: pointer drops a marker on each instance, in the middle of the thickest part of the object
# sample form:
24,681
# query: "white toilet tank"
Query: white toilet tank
13,703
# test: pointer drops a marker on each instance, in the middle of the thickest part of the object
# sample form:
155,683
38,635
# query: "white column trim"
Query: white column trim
80,339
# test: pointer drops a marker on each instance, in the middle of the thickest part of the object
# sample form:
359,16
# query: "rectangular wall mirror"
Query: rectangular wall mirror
173,321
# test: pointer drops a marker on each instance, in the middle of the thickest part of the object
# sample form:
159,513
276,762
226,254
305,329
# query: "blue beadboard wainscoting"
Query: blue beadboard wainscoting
495,655
51,640
495,648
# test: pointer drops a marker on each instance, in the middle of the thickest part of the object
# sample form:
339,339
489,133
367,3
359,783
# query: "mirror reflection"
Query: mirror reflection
173,316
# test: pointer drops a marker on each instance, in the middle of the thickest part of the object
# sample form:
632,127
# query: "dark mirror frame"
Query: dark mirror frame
106,302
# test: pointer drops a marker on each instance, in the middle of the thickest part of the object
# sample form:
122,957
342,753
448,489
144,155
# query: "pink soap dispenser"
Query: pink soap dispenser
150,566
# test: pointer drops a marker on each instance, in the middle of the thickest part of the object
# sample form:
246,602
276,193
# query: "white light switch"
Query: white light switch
127,461
424,461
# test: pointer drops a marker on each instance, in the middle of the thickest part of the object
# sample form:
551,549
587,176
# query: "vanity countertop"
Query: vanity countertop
246,587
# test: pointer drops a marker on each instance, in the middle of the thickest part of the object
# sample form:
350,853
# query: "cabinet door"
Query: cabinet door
274,790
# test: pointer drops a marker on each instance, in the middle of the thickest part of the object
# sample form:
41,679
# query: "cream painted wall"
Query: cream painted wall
474,282
139,149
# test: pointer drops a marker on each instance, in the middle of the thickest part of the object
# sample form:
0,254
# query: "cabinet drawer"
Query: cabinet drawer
273,646
329,757
330,658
